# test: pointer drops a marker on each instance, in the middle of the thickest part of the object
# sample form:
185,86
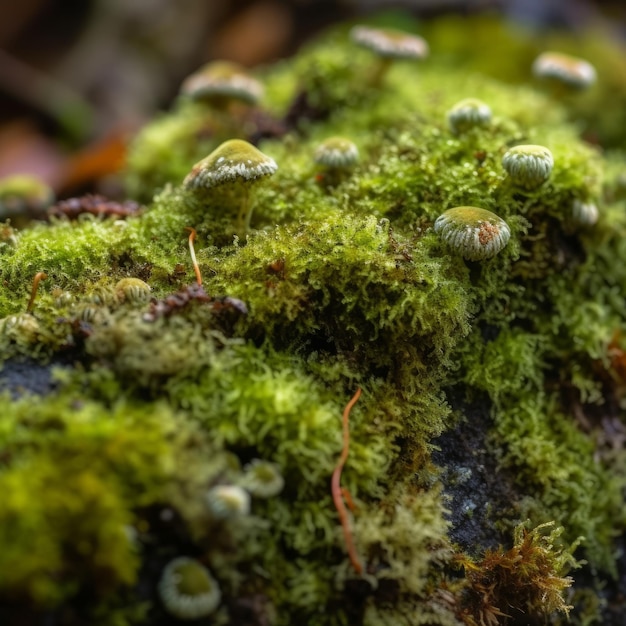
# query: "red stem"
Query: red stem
335,486
39,276
196,267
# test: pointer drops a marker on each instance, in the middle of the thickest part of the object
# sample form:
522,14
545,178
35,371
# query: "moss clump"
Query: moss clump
334,286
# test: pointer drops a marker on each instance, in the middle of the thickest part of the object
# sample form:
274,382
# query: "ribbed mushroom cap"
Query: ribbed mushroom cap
566,69
467,114
388,43
528,165
337,153
233,160
187,589
222,79
474,233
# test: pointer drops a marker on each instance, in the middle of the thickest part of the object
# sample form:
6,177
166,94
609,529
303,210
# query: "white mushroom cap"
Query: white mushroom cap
228,501
187,589
337,153
475,233
564,68
390,43
222,79
233,160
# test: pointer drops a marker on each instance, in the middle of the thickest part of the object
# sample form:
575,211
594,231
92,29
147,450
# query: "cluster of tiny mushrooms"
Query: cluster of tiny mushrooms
187,588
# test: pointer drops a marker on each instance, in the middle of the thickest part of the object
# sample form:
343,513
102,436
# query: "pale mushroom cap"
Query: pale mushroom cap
222,79
227,501
467,114
337,153
389,43
233,160
263,479
187,589
475,233
564,68
528,165
584,213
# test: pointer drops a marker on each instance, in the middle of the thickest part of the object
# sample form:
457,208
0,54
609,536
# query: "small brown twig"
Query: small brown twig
39,276
196,267
337,491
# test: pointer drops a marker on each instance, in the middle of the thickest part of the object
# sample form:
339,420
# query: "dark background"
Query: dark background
78,77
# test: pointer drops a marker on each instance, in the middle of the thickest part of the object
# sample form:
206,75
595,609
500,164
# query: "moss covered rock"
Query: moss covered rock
484,459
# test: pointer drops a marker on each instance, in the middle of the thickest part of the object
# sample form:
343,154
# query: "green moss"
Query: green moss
339,283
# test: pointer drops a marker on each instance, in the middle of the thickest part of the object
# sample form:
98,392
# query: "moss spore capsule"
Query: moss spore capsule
558,67
528,166
475,233
187,589
468,113
337,153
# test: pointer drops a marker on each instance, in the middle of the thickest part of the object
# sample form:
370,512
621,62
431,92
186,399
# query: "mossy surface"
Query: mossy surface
493,392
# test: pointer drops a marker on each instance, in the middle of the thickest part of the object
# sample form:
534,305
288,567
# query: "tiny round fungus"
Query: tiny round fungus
475,233
528,166
228,501
337,153
562,69
221,82
187,589
584,213
467,114
263,479
235,161
388,45
132,290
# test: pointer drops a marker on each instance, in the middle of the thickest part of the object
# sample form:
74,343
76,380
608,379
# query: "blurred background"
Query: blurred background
79,77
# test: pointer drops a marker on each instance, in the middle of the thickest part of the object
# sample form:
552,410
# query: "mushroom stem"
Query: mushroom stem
379,71
245,212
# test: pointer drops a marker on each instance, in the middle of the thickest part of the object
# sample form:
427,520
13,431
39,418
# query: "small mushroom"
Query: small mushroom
263,479
467,114
563,72
188,590
228,501
236,164
476,234
220,83
337,156
388,45
528,166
